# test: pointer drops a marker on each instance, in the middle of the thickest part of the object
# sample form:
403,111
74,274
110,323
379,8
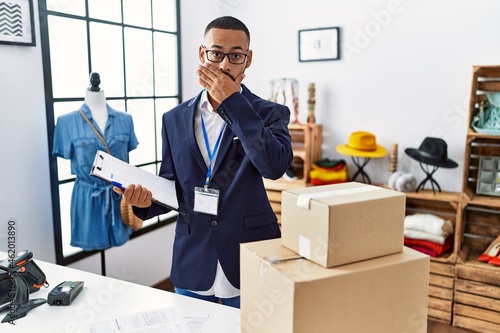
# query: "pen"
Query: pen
118,184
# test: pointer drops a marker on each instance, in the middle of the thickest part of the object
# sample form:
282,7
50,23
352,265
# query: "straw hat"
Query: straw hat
362,144
128,216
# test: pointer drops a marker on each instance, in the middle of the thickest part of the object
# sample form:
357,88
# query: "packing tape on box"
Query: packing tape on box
304,200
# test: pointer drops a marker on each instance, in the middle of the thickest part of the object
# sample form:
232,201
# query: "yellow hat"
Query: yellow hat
362,144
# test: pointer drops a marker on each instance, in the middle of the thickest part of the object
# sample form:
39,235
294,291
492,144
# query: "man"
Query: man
217,146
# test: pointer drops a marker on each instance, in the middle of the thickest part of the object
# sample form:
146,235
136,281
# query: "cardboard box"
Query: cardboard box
343,223
385,294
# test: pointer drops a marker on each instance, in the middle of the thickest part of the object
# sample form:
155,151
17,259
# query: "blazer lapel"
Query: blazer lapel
190,135
225,143
227,139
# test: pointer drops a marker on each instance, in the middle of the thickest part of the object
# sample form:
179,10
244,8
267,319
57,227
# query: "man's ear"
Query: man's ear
201,54
249,59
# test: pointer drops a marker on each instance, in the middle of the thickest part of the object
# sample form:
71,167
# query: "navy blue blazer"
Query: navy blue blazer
256,144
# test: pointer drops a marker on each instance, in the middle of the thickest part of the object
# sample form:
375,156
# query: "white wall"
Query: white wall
405,71
25,181
24,174
410,80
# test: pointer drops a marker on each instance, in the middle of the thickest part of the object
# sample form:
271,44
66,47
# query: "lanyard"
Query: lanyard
211,155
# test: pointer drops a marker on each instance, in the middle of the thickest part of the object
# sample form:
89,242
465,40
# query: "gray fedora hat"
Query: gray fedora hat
433,151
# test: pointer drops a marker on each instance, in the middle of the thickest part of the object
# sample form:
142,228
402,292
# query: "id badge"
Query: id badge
206,200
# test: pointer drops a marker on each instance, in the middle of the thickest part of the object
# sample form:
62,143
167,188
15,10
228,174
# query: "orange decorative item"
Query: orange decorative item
491,253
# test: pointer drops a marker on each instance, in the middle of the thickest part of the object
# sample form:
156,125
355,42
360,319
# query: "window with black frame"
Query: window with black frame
134,46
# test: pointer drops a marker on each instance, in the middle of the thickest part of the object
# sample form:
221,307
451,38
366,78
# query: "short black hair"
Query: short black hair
228,22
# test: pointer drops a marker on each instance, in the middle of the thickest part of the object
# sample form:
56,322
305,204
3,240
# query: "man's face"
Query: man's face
226,41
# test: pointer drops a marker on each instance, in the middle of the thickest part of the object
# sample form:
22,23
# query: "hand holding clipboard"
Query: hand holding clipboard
122,174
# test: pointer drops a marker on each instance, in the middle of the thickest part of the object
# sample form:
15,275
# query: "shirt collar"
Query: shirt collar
204,103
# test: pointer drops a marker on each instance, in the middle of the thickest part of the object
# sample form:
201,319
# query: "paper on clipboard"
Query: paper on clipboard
114,170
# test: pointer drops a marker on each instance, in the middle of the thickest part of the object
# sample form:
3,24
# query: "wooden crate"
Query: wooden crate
485,79
441,289
306,146
477,285
477,297
446,205
442,269
275,200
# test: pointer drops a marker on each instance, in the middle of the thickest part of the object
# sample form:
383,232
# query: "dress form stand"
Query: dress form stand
360,164
96,101
428,172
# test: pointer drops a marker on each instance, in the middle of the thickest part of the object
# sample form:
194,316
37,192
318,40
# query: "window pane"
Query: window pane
76,7
164,15
65,192
138,64
162,105
109,10
68,56
143,114
61,108
107,57
137,12
64,165
165,55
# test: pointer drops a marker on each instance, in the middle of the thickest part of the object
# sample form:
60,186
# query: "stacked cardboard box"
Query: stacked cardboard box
340,266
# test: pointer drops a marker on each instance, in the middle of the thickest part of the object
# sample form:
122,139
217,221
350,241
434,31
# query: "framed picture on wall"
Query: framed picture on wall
319,44
17,22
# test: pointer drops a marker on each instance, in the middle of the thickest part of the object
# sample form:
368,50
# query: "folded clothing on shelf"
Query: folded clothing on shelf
428,247
429,223
428,234
328,171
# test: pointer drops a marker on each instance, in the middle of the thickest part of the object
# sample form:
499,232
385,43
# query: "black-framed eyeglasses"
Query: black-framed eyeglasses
236,58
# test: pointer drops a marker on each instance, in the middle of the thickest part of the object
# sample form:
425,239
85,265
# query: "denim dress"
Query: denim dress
95,208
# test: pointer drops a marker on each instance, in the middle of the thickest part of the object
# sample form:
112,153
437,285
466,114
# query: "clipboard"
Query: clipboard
122,174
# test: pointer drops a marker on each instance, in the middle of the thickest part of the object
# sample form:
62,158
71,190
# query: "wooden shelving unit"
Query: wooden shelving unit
477,284
442,269
464,291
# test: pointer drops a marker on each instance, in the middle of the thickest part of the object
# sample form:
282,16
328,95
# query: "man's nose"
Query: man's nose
225,64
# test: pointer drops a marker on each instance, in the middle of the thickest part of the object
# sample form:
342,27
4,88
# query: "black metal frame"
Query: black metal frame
334,30
32,42
49,107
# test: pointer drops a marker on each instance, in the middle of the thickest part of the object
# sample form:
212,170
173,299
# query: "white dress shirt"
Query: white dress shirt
221,287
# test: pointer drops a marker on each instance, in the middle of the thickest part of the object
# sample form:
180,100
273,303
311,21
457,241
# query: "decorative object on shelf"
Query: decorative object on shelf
17,25
285,91
311,101
487,121
492,253
327,171
361,145
488,179
431,152
319,44
402,181
393,158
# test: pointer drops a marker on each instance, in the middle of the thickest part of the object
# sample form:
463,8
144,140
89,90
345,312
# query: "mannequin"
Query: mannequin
96,222
96,101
